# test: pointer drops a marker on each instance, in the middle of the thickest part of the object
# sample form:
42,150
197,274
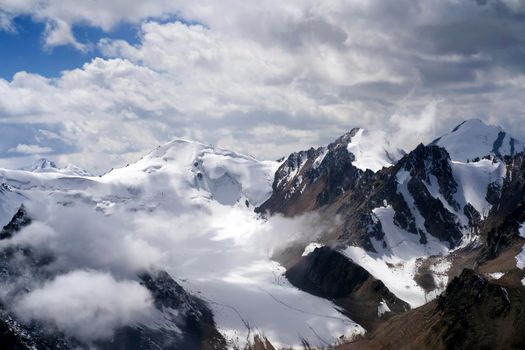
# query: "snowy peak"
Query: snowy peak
44,165
474,139
215,173
316,177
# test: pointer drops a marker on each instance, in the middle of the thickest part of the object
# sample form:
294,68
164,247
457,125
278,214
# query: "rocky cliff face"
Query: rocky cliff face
508,211
329,274
405,187
471,208
473,313
310,179
195,327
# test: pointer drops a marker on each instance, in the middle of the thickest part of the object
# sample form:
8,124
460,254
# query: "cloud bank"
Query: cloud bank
94,242
267,79
87,304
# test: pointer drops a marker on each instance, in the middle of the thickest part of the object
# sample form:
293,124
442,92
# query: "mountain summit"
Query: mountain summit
194,246
474,139
44,165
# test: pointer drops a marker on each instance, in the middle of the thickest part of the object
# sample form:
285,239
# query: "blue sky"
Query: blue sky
23,49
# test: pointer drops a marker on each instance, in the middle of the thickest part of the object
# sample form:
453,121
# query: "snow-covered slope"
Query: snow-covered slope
372,150
473,181
438,206
10,201
218,174
186,208
474,139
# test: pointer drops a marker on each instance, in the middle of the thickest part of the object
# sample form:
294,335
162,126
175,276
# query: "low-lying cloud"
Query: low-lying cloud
96,255
86,304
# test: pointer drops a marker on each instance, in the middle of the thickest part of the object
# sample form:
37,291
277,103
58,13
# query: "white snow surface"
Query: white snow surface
403,177
160,212
9,203
495,275
382,308
396,263
475,139
372,150
223,175
473,180
399,253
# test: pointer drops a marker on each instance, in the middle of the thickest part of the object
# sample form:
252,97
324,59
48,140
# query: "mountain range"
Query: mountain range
353,245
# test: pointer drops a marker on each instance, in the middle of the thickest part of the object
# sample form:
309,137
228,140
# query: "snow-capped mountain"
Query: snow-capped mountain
187,209
219,174
198,247
326,172
44,165
473,139
414,225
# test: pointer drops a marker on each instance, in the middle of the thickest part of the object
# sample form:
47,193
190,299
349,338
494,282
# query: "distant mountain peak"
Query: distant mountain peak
470,123
224,176
42,164
474,139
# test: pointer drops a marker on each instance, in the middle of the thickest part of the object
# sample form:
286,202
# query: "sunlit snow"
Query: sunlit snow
187,208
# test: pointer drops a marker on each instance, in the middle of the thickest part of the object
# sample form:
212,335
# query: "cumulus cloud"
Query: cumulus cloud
306,72
30,149
126,244
87,304
414,127
6,22
59,33
88,238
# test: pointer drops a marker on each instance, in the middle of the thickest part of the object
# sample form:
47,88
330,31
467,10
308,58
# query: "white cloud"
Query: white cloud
413,127
6,22
116,228
87,304
30,149
303,72
118,244
59,33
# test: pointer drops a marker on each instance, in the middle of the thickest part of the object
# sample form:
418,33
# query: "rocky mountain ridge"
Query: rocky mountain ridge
362,241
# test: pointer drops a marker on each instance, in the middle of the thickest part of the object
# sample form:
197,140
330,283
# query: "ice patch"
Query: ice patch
495,275
382,308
